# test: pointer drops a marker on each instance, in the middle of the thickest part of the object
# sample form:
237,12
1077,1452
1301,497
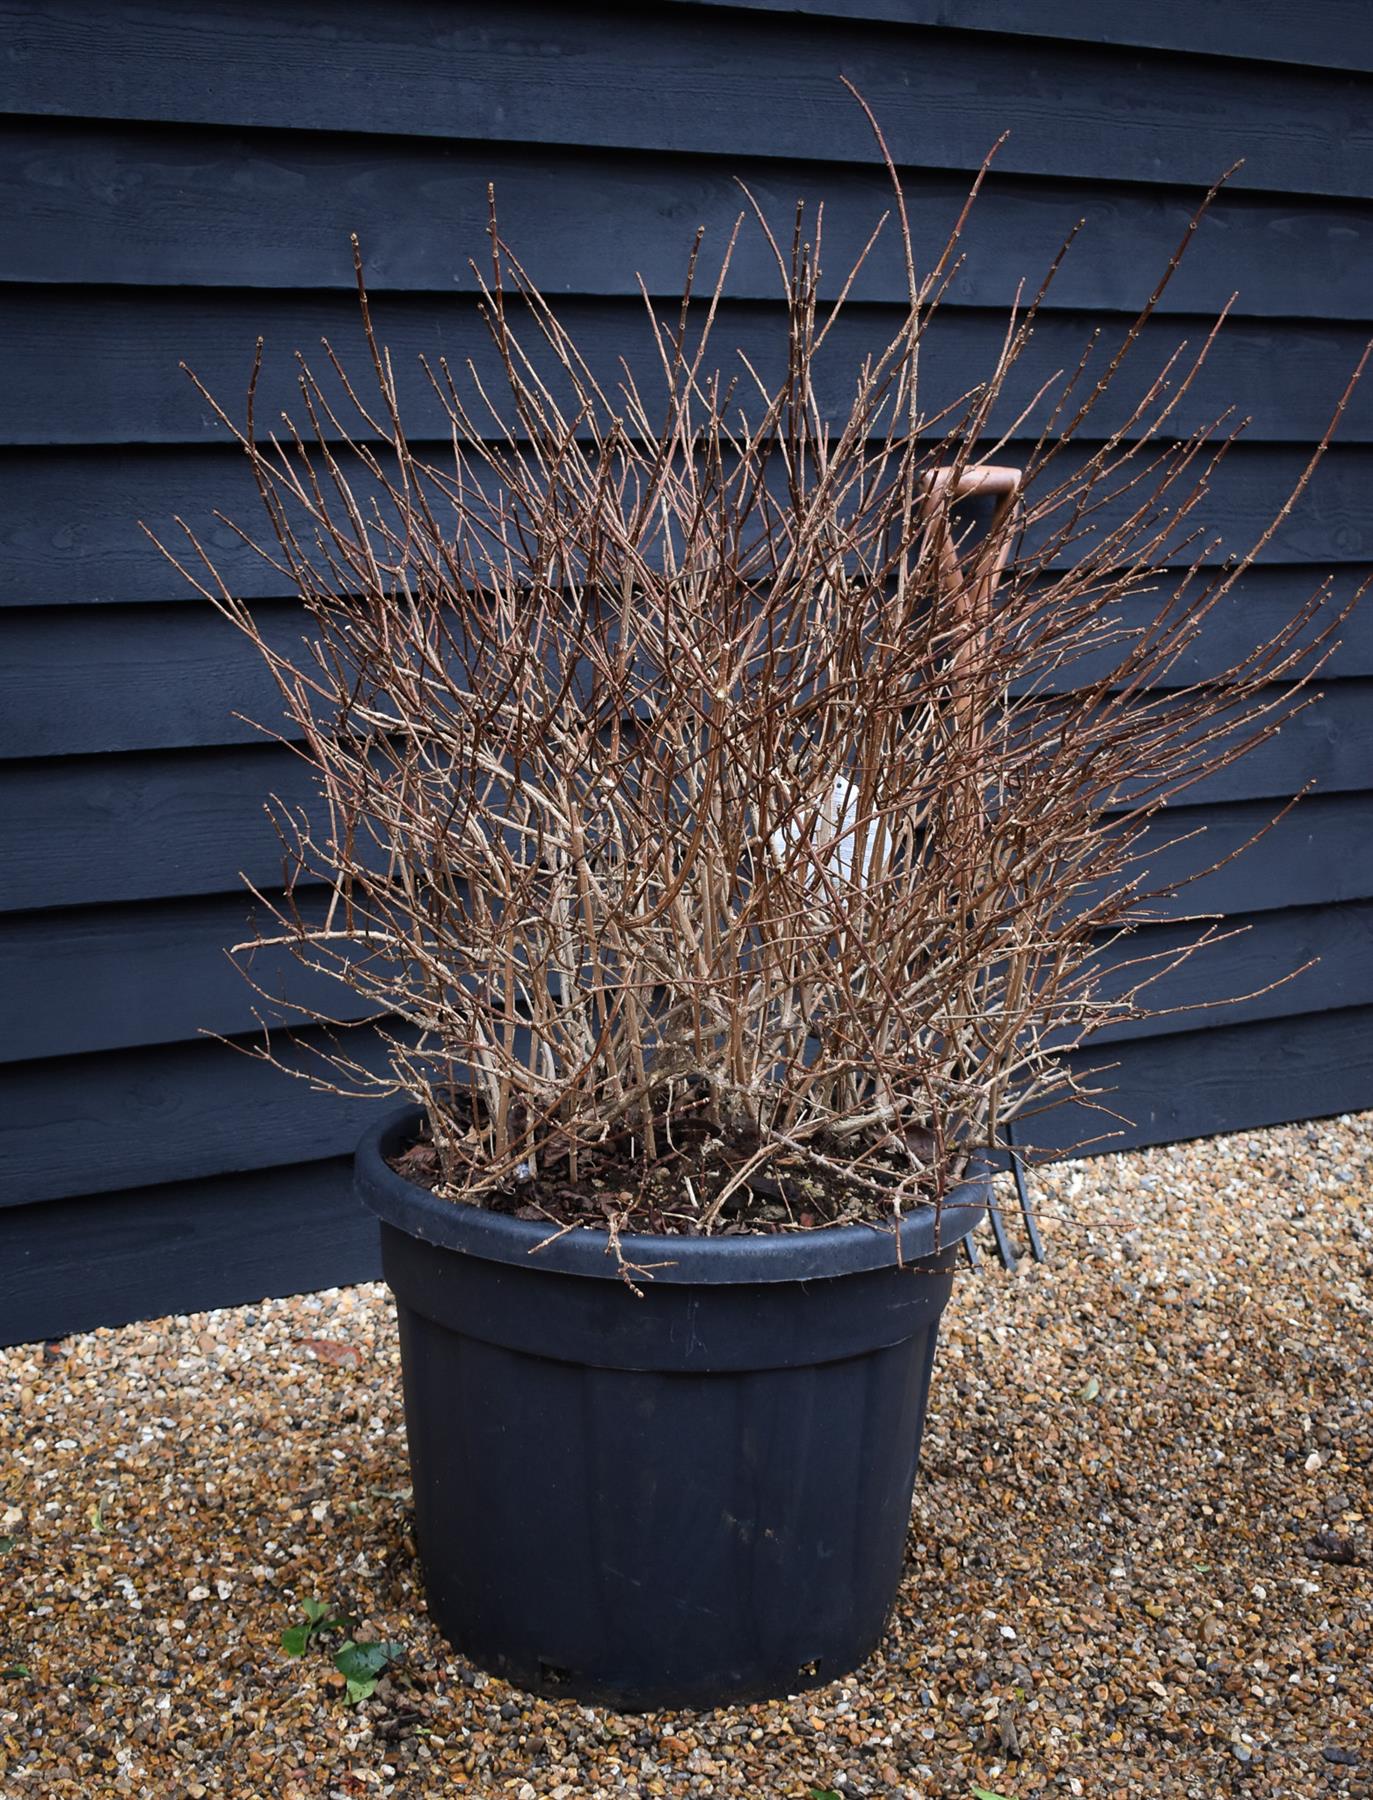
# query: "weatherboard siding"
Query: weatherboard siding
177,179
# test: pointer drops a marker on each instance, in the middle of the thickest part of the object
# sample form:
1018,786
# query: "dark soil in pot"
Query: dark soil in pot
696,1182
688,1495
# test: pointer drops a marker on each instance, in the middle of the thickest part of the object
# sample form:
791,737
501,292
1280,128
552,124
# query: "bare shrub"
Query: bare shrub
692,775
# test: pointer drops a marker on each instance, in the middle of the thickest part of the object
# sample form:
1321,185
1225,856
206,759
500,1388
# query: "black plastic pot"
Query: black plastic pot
695,1497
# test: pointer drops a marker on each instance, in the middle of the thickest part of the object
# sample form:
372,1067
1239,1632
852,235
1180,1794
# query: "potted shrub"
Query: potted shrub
733,801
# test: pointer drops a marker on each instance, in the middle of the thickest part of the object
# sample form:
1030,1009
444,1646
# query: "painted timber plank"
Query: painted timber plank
143,827
1333,35
169,1113
722,84
69,518
74,680
184,1246
94,204
1237,859
78,831
93,980
1326,950
1233,1078
111,358
77,680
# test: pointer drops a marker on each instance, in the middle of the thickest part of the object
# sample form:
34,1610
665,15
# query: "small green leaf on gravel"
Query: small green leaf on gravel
319,1616
361,1666
1088,1391
823,1794
987,1794
97,1516
14,1669
6,1545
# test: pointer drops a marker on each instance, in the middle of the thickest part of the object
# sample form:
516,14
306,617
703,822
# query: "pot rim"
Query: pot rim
817,1255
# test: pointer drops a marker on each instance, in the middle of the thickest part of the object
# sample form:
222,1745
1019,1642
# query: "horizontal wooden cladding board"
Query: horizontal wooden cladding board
94,830
1333,35
99,979
185,1246
171,207
1301,959
83,831
121,1124
727,83
1224,860
70,531
77,680
92,978
100,365
171,1113
1234,1078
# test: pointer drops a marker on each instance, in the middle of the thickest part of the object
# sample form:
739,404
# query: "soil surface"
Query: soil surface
698,1183
1140,1561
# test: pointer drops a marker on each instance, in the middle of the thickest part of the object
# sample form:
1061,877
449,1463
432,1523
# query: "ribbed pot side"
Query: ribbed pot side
684,1499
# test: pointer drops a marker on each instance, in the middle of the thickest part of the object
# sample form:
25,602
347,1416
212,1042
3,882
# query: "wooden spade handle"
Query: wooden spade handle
970,590
974,590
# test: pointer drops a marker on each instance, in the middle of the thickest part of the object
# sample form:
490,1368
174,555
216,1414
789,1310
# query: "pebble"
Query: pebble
1144,1593
1335,1753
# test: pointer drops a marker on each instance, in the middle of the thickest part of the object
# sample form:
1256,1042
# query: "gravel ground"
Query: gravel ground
1141,1559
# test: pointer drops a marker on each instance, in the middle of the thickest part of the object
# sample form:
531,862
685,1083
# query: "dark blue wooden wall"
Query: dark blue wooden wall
179,177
